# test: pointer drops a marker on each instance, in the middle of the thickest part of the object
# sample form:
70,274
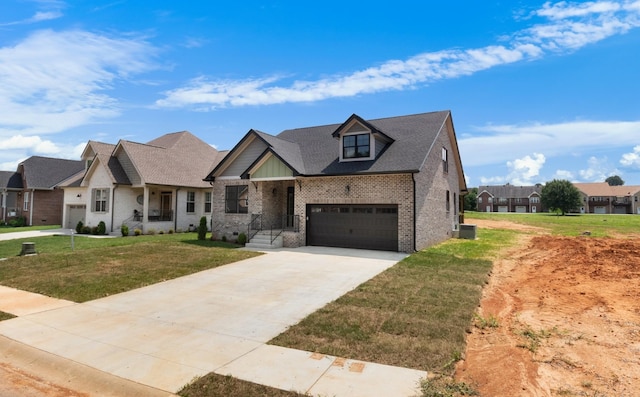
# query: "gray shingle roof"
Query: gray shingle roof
510,191
10,180
46,172
413,138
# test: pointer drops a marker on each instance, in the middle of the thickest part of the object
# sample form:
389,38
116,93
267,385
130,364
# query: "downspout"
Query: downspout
33,198
415,212
113,205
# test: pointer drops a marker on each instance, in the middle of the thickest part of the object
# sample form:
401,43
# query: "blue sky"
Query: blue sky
538,90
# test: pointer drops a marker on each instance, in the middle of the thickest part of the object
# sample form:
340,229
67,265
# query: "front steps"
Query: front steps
262,241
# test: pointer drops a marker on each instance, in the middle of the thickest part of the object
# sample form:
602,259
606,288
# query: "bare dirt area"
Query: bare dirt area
17,383
568,314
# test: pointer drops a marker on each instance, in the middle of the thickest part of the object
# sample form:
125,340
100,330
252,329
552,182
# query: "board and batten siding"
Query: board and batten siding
272,168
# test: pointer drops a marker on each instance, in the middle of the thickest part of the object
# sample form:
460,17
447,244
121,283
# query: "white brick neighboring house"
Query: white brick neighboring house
390,184
154,186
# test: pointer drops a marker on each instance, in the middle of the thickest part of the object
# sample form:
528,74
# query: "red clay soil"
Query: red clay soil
568,310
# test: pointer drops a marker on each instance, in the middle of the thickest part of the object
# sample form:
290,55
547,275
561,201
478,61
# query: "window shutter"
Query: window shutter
93,200
106,199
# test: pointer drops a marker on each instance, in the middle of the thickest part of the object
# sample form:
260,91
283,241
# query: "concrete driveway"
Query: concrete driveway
219,320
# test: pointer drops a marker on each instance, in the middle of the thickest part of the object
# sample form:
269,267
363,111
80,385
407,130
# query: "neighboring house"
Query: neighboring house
32,192
154,186
509,198
390,184
600,198
10,187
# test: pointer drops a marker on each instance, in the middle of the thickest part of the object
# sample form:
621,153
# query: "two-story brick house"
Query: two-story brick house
600,198
509,198
391,184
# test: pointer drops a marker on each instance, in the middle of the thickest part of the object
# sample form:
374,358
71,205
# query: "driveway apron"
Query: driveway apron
217,320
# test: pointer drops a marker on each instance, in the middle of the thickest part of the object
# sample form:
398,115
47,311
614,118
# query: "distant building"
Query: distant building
600,198
509,198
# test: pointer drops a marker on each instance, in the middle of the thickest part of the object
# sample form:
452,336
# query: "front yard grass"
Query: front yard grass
413,315
102,267
11,229
5,316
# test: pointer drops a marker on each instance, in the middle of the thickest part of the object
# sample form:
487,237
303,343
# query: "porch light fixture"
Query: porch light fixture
274,191
79,195
347,189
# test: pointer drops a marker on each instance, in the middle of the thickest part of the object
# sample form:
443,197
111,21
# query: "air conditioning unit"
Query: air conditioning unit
468,232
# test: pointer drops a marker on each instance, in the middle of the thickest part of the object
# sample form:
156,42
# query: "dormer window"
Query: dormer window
356,146
360,140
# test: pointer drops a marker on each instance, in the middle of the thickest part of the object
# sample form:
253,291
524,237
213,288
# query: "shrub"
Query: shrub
86,230
151,231
124,230
170,231
137,231
79,227
242,238
94,230
202,228
102,228
224,238
161,232
18,222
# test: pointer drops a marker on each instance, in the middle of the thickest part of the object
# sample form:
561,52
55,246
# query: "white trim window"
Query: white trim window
25,206
445,160
207,202
100,200
191,202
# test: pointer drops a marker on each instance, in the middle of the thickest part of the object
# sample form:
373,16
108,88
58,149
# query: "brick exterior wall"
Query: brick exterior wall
434,223
269,199
46,204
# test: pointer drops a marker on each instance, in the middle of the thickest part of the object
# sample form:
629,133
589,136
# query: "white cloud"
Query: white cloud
501,143
632,159
598,170
570,26
53,81
494,180
524,170
564,174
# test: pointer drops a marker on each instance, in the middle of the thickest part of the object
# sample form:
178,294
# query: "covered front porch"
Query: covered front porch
149,209
274,221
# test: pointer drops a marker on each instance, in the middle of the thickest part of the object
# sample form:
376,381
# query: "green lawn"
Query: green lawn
102,267
414,315
569,225
5,316
9,229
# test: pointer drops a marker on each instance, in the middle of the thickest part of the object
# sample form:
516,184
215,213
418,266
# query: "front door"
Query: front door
165,206
290,206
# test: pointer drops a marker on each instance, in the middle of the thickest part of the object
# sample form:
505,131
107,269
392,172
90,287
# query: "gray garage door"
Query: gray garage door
353,226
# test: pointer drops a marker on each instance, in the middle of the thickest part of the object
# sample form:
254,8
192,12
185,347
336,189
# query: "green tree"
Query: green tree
471,200
560,195
614,180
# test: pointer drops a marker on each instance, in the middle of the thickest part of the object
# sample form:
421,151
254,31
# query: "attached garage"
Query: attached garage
372,226
75,214
600,210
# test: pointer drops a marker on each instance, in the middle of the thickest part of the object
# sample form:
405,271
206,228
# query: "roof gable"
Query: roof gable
46,172
10,180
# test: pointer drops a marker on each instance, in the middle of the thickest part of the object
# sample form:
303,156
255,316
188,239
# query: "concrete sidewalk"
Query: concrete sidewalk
219,321
47,232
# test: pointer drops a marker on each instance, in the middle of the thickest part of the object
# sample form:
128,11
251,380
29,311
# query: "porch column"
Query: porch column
145,208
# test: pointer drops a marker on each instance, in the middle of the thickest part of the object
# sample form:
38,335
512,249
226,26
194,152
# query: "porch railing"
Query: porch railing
254,226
